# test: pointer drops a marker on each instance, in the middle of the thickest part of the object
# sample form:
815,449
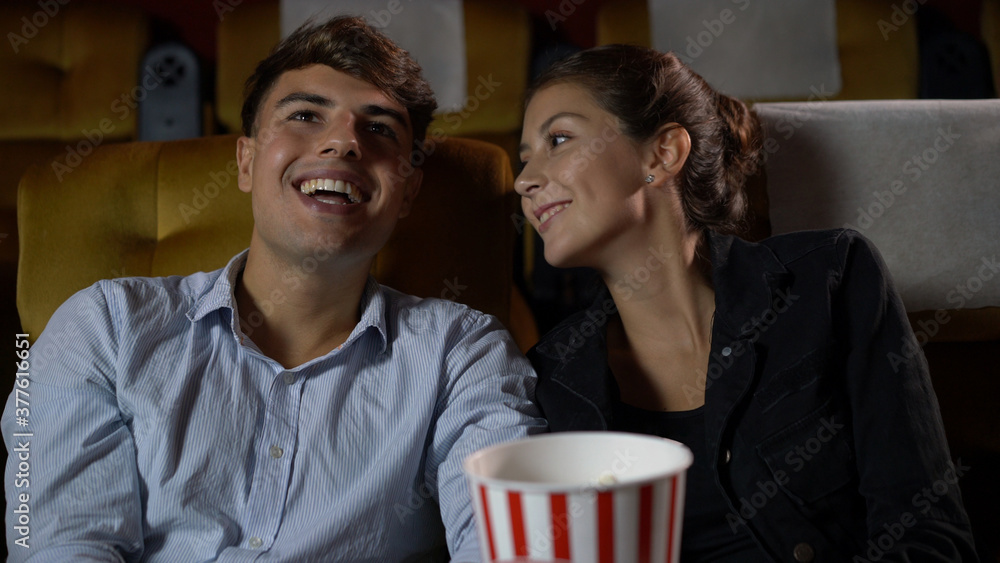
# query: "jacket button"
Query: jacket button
804,553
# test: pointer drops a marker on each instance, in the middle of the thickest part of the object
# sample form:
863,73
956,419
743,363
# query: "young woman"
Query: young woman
786,366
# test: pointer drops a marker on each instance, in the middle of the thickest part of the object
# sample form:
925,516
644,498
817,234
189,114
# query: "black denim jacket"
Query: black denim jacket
819,408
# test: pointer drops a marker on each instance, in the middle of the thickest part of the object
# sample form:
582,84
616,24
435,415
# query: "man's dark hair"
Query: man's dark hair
350,45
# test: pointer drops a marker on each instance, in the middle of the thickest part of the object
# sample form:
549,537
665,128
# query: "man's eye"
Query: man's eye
380,128
303,115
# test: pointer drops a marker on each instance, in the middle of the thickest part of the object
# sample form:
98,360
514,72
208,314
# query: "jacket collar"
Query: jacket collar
748,278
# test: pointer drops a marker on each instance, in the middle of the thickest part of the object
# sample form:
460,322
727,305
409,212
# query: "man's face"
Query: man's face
328,168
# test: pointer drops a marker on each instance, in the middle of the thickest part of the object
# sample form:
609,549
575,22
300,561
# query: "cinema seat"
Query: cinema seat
66,68
164,208
874,65
917,177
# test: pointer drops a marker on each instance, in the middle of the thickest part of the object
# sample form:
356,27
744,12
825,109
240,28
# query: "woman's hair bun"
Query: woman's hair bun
743,137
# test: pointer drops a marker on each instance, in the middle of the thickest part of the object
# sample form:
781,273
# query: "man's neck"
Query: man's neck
293,315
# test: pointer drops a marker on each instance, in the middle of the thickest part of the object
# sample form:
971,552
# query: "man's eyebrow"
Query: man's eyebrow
315,99
545,125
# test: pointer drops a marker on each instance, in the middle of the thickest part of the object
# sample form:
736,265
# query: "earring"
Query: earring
650,178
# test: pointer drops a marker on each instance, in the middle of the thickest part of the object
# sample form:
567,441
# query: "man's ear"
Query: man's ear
670,150
245,147
410,190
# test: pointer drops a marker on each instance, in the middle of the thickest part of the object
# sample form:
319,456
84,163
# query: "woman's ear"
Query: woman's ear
670,149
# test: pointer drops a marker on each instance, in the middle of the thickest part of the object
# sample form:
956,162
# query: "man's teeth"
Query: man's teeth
310,187
552,211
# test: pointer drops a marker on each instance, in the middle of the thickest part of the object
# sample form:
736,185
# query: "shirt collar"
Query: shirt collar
220,294
373,313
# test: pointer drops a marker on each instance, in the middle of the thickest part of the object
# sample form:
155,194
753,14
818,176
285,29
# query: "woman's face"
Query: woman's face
582,182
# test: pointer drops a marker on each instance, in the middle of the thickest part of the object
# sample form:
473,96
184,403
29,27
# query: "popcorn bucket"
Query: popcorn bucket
598,497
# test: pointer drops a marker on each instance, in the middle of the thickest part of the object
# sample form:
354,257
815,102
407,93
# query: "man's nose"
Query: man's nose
340,138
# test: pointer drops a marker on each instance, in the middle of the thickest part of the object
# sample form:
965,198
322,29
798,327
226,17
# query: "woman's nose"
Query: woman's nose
529,181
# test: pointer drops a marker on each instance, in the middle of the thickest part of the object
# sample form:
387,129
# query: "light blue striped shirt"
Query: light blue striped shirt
160,432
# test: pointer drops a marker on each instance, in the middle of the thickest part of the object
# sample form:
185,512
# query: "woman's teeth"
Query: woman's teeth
310,187
552,211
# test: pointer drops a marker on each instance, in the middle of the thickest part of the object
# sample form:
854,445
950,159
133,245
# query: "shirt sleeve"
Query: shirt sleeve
489,400
71,469
907,477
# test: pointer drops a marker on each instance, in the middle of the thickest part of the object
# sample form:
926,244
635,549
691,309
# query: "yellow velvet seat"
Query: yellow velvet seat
498,50
156,209
69,71
875,63
73,71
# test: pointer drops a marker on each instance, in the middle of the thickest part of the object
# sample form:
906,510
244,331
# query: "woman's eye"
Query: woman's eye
380,128
557,139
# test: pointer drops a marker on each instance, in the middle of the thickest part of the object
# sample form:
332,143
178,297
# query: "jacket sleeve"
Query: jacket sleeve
909,482
71,467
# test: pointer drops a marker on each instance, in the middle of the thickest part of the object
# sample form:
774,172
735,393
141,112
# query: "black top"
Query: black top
706,534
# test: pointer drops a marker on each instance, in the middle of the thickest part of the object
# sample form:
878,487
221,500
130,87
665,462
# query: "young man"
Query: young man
259,413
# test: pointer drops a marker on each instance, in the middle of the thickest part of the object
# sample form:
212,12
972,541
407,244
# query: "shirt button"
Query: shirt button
726,351
803,553
289,378
254,542
727,456
276,452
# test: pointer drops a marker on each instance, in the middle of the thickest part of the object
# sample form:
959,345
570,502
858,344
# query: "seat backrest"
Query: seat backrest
72,69
154,209
878,59
918,177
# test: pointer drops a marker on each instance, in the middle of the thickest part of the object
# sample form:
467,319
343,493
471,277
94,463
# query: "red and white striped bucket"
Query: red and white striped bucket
600,497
